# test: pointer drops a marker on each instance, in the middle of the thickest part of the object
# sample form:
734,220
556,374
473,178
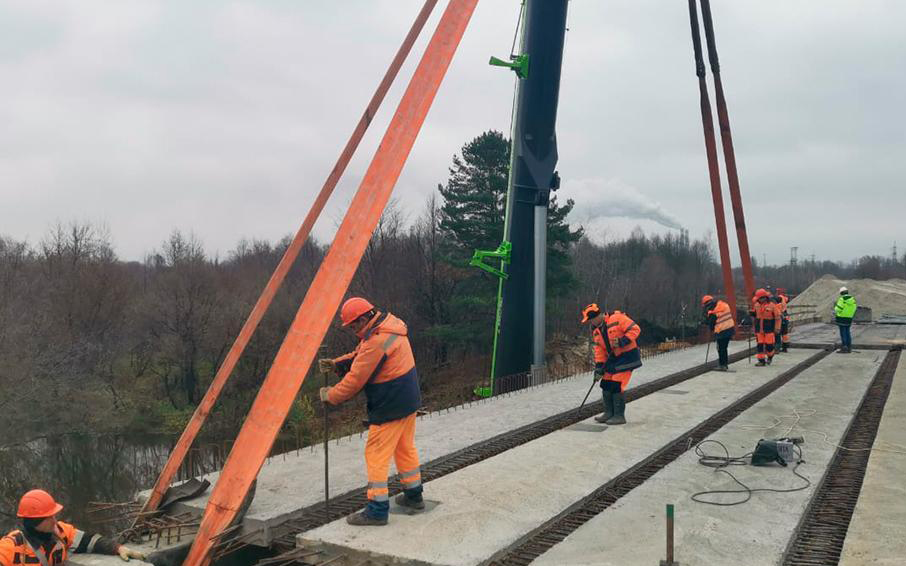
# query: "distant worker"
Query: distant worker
382,364
47,541
766,318
783,300
845,310
616,355
720,320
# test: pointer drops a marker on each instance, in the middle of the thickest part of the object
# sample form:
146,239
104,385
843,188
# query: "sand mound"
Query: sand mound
882,297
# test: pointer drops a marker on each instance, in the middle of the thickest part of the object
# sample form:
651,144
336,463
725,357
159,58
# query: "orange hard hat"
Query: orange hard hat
707,299
38,504
354,308
762,294
589,312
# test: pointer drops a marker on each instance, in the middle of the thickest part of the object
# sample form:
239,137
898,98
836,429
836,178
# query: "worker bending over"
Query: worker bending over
47,541
720,320
616,355
382,364
766,317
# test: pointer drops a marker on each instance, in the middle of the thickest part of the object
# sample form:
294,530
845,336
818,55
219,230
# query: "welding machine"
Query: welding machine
779,450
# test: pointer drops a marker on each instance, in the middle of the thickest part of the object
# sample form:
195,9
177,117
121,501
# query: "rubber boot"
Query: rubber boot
761,363
364,520
404,500
608,407
785,348
770,359
619,409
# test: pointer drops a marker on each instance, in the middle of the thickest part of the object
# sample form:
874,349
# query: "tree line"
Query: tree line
91,342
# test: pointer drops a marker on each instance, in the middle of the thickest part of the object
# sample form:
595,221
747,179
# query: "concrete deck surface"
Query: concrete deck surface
877,531
489,505
290,482
878,334
821,400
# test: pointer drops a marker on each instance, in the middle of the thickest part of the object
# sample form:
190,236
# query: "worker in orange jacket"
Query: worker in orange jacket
47,541
382,364
766,317
783,333
616,355
720,320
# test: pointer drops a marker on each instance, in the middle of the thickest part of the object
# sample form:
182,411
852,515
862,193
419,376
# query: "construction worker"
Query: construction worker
47,541
382,364
766,316
844,311
616,355
720,321
784,335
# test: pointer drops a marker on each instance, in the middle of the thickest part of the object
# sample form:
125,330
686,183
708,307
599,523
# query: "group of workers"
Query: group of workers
383,366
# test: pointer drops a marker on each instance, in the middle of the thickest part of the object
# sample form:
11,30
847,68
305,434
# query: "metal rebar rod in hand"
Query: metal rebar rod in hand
587,394
326,459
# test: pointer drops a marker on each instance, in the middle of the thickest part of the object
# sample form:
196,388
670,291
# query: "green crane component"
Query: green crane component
502,253
518,63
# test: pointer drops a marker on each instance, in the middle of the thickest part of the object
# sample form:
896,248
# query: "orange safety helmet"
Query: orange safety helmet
354,308
761,294
38,504
589,312
707,299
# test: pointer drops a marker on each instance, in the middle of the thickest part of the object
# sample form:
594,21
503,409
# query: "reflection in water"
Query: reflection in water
79,469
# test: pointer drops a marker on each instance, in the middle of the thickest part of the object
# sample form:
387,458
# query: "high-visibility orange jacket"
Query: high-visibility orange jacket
767,316
15,549
622,333
720,318
382,364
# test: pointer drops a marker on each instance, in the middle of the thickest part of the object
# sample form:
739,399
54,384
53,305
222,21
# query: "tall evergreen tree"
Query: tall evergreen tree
472,217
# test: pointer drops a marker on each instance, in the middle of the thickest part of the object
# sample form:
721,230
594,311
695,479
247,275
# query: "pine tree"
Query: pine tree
472,217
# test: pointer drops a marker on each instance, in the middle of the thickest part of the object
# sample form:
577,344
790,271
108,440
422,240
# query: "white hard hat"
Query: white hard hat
844,290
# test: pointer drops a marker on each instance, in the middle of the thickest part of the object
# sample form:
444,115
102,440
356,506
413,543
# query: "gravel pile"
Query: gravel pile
882,297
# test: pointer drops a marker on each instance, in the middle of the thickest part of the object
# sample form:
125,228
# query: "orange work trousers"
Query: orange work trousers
394,439
765,341
622,378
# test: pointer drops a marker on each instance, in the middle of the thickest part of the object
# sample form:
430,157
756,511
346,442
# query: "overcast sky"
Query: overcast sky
223,118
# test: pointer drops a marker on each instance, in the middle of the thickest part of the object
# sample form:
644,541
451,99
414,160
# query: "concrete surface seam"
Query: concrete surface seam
821,532
341,505
544,537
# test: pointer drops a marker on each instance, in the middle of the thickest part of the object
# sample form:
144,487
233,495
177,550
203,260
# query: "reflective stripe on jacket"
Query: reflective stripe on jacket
382,364
625,357
767,317
723,318
16,549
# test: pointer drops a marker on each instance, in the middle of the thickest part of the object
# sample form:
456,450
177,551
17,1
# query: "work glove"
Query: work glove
599,372
327,365
623,341
323,394
127,553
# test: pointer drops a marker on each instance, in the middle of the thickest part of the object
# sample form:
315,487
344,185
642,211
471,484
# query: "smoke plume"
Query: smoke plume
597,198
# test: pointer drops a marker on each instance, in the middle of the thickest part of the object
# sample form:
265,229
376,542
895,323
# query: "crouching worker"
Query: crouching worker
46,541
382,364
720,321
616,355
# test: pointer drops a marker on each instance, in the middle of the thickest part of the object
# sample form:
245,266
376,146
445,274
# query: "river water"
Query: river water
81,469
